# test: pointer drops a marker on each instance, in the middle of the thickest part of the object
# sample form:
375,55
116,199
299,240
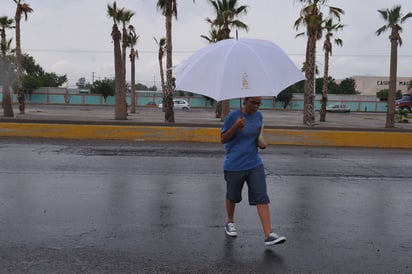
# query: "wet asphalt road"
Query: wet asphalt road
136,207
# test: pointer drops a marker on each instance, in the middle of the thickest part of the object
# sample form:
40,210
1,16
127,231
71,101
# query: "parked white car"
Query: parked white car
338,108
178,104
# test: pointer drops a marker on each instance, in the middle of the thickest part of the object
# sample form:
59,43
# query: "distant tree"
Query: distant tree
213,35
125,16
348,86
330,27
287,94
30,66
134,54
51,79
333,87
140,86
169,10
21,8
161,52
30,83
311,17
120,110
33,82
285,97
393,19
5,24
383,94
6,66
227,14
45,79
106,87
318,85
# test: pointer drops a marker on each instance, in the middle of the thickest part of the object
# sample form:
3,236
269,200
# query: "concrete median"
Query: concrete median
274,136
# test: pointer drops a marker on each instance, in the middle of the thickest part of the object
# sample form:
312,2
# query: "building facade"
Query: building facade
370,85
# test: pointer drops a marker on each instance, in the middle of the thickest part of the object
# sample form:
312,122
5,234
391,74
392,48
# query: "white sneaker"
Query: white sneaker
274,239
230,229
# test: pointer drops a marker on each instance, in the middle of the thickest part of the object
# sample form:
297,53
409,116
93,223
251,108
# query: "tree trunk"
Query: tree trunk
169,113
308,108
225,109
123,53
325,88
162,82
133,82
20,91
120,110
390,112
7,102
218,110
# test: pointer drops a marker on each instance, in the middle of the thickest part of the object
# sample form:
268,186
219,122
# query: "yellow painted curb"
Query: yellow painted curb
376,139
110,132
340,138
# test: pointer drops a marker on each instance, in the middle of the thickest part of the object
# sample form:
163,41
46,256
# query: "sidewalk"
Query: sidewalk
200,125
198,117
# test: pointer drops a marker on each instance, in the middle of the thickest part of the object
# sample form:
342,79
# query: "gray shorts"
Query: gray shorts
255,180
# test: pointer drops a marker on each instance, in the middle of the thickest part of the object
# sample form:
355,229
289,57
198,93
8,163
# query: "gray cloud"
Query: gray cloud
73,37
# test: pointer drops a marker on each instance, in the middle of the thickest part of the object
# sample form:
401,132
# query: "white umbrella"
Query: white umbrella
237,68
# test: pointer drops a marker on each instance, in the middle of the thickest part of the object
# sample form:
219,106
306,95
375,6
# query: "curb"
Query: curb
298,137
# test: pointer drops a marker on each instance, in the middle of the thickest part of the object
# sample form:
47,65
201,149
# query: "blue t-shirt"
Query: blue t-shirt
241,150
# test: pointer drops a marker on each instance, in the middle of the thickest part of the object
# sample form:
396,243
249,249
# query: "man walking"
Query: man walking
241,134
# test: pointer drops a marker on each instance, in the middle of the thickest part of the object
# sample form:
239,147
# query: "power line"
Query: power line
97,51
193,51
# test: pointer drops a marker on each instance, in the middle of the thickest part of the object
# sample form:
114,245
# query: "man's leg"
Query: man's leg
230,210
264,214
230,227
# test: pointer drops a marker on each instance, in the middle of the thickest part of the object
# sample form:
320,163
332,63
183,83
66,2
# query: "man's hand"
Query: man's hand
240,122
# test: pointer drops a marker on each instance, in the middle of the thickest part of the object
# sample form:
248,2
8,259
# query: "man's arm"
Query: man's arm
228,134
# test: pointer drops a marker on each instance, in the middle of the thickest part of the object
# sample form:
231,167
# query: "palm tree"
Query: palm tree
120,111
212,38
125,16
227,12
330,27
162,49
5,66
132,40
169,9
393,19
22,8
311,17
5,23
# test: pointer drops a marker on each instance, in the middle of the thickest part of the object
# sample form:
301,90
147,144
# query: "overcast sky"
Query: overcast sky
73,37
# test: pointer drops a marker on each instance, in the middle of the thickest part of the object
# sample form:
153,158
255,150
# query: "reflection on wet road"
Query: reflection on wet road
104,207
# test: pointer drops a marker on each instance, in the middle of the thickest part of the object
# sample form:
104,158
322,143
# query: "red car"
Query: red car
151,104
405,103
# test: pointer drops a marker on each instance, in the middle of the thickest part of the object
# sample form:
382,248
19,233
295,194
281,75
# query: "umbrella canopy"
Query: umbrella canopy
237,68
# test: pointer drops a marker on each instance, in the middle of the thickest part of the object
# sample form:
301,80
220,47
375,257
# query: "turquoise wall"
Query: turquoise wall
195,101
